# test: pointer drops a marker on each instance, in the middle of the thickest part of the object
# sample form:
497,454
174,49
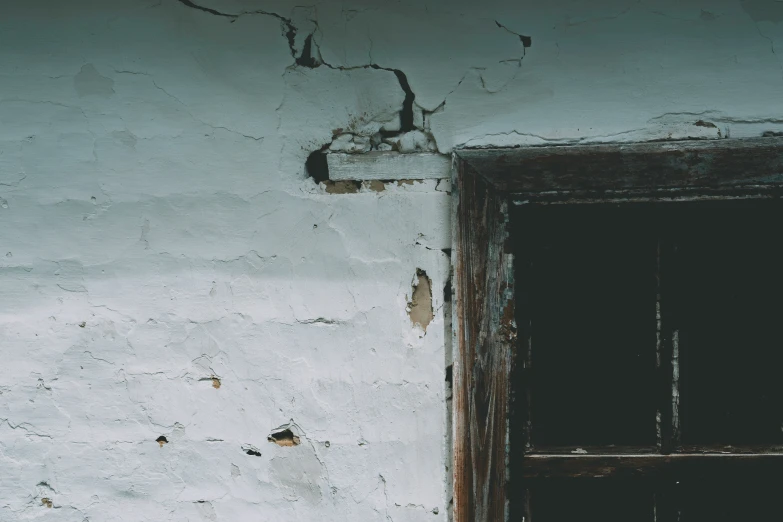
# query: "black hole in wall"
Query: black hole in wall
161,439
450,373
317,167
526,41
253,452
284,438
406,114
306,59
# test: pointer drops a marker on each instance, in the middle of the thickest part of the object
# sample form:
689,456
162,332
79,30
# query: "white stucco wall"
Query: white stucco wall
158,229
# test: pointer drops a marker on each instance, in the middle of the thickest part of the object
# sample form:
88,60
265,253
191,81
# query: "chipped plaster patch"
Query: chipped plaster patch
284,436
249,449
420,305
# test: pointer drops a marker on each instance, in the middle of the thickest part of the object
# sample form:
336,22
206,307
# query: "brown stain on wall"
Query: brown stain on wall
342,187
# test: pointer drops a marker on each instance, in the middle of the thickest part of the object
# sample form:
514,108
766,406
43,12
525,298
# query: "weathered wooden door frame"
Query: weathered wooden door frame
485,183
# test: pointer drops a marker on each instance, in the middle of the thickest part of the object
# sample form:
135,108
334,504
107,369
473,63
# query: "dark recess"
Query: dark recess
406,114
447,292
161,439
306,59
253,452
284,438
317,167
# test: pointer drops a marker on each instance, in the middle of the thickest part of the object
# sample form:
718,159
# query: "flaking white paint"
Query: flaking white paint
159,232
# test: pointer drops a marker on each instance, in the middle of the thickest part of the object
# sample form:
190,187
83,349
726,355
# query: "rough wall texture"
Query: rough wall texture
169,270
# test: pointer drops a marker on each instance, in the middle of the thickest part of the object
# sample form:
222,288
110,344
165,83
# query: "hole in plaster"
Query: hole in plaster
82,324
420,306
306,59
251,450
450,374
284,437
406,114
317,167
46,502
162,440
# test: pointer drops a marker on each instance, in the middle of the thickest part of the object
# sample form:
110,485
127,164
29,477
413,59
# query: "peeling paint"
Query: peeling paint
161,226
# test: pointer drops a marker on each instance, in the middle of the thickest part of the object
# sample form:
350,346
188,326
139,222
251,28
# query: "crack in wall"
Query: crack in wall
526,40
311,58
771,45
289,30
410,133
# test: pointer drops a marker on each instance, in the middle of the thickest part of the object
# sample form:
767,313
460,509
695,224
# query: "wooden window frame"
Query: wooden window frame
488,343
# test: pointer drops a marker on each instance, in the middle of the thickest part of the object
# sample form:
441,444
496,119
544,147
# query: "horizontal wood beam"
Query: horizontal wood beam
538,466
388,166
648,166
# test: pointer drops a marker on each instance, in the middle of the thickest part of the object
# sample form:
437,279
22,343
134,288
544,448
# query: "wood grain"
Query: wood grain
388,166
679,466
631,166
485,339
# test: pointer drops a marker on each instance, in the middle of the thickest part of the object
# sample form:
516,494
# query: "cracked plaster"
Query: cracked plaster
159,231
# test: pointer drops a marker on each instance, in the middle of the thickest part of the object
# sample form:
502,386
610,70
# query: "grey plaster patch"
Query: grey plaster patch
89,82
125,137
763,10
206,511
300,474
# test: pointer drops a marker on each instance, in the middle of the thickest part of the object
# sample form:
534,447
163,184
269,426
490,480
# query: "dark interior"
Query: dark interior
586,296
590,287
592,500
731,254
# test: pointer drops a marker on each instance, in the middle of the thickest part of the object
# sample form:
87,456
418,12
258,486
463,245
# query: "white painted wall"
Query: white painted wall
158,229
